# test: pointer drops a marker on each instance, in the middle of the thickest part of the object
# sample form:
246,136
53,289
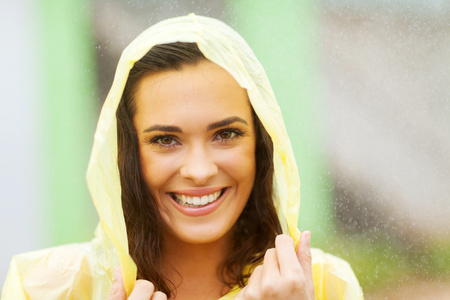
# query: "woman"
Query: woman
206,163
191,157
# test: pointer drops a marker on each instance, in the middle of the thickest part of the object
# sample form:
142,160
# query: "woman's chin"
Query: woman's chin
199,234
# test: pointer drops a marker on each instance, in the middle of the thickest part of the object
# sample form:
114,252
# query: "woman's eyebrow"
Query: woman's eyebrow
226,122
166,128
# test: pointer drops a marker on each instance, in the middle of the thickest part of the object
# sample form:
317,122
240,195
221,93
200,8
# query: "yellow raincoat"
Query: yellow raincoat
85,271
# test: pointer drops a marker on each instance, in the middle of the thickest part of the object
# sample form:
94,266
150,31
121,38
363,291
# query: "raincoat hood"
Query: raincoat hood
223,46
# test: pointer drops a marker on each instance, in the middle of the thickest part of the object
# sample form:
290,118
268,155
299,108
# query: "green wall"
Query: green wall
68,104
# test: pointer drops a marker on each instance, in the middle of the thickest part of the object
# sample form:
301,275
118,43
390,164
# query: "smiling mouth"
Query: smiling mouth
197,201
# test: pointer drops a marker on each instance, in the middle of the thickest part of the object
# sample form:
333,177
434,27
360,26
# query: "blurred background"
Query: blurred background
364,86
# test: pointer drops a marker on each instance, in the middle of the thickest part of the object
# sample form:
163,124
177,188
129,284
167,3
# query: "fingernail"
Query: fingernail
308,238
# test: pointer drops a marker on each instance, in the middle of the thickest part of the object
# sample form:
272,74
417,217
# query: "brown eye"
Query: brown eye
225,135
166,140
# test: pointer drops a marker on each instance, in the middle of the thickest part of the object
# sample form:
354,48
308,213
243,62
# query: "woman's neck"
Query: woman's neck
193,268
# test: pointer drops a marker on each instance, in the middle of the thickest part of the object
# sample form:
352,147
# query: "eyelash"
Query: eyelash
156,140
237,133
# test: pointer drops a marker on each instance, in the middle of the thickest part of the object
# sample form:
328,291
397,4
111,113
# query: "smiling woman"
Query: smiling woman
194,181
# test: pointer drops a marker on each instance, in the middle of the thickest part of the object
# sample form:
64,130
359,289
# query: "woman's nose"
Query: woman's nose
198,166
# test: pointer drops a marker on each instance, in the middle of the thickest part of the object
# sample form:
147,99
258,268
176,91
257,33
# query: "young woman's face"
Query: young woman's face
197,149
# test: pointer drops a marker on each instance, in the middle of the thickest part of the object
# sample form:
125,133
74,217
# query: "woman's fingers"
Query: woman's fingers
117,291
285,273
292,275
287,258
271,266
271,279
159,296
305,259
253,289
304,252
143,290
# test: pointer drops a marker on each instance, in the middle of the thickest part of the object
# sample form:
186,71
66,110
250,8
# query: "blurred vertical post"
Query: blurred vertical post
68,109
283,35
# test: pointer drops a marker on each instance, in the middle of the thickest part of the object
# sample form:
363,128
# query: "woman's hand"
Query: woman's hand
143,290
284,273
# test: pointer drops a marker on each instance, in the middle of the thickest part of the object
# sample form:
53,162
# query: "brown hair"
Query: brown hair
255,229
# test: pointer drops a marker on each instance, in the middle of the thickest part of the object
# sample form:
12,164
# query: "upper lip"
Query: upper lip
197,192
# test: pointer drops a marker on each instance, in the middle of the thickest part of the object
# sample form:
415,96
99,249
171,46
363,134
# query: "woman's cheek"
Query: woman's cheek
238,162
157,168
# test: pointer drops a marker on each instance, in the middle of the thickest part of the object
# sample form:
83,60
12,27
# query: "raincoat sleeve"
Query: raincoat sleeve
65,272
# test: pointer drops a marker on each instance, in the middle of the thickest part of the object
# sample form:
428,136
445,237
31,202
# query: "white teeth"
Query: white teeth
196,201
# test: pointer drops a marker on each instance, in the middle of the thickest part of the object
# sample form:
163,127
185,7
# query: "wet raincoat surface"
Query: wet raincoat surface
85,271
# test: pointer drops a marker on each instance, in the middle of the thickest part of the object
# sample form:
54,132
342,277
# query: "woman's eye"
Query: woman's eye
166,140
226,135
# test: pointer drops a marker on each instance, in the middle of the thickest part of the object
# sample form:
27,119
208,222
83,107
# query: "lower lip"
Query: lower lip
200,211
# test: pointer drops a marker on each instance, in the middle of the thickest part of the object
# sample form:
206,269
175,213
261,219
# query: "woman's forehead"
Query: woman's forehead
203,87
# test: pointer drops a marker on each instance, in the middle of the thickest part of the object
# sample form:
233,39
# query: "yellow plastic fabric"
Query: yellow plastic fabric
84,271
